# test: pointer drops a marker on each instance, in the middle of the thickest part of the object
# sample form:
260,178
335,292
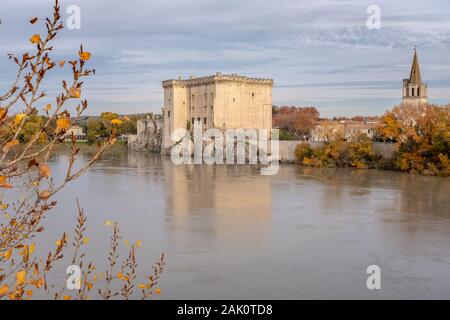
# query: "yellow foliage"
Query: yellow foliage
45,171
4,183
75,93
4,290
35,39
18,118
85,56
7,254
21,277
62,124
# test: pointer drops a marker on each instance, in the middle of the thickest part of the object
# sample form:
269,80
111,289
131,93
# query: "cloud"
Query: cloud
319,52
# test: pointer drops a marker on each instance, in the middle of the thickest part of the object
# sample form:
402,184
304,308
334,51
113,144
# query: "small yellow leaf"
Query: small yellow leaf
45,194
18,118
4,290
45,171
62,124
116,121
141,286
158,291
86,240
35,39
4,183
21,277
32,248
75,93
48,107
67,297
108,223
7,254
85,56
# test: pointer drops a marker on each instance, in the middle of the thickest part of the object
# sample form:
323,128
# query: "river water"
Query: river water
230,233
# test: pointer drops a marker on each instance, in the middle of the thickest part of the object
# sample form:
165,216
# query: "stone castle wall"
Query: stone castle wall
219,101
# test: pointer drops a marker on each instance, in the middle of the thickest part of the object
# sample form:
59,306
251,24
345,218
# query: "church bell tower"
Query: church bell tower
415,92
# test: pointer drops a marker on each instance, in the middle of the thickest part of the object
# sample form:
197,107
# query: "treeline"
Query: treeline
422,134
294,123
96,128
99,128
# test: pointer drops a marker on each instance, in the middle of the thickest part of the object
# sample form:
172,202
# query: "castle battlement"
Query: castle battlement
218,77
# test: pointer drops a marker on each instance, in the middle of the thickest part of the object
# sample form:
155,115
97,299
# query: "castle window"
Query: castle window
253,94
204,120
234,100
412,92
418,92
193,120
168,114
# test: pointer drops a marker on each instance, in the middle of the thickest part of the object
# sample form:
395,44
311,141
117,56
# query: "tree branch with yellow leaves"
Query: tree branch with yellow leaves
26,162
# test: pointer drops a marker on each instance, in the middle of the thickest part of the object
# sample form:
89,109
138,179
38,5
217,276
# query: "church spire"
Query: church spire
415,77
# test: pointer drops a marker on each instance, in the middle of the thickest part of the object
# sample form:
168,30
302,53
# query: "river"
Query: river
229,232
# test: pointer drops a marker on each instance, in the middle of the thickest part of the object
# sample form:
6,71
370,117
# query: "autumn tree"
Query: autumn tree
297,121
29,132
422,134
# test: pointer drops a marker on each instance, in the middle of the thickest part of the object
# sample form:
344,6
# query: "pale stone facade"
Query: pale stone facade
350,131
218,101
77,132
415,92
149,135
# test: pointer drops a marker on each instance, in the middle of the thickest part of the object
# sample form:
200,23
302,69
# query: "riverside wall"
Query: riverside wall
287,149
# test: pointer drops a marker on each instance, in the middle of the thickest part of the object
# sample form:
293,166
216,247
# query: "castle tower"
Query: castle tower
414,90
217,101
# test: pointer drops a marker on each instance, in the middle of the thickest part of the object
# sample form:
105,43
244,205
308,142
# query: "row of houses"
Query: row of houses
349,130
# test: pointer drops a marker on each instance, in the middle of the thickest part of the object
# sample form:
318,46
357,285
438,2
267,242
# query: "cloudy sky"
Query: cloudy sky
319,52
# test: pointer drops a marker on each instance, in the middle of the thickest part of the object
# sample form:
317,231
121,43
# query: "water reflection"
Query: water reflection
229,232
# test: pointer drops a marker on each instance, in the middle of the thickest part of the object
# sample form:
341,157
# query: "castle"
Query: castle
217,101
415,92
